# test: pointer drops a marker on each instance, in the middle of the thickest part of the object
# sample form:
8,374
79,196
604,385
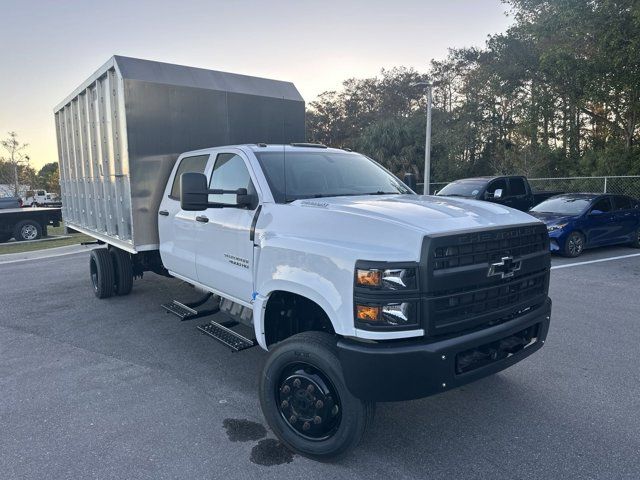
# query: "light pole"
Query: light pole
427,143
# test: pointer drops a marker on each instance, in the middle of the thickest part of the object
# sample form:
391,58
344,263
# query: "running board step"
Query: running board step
226,336
185,312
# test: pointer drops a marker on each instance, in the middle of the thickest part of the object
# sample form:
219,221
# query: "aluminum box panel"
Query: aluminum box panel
120,133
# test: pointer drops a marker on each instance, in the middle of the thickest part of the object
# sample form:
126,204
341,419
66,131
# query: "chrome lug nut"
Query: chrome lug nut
310,388
317,420
296,383
284,404
306,426
293,419
286,389
319,404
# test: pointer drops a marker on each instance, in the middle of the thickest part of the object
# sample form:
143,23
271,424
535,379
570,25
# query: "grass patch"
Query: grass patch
74,239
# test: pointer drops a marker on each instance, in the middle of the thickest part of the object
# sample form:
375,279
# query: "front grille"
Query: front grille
455,307
490,246
462,292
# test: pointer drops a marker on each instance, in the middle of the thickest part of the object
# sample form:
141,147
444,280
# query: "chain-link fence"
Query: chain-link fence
623,185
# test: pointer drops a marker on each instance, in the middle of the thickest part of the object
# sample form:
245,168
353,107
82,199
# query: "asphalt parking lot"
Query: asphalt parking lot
119,389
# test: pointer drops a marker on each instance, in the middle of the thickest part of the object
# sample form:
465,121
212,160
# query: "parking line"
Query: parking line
575,264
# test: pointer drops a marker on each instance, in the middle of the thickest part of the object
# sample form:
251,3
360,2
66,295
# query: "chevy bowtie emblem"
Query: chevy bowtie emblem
506,267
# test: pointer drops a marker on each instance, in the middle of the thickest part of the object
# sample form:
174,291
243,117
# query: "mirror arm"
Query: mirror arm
219,191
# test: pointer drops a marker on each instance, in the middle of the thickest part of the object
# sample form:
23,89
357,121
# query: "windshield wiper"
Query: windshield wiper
380,192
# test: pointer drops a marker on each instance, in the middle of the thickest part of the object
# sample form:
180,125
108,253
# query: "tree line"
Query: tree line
16,171
557,94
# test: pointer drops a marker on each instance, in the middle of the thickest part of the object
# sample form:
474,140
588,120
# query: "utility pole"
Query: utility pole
427,142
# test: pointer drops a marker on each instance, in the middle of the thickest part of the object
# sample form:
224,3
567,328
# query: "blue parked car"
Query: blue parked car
577,221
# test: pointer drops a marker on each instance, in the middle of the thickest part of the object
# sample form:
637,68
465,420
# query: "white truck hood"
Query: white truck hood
425,214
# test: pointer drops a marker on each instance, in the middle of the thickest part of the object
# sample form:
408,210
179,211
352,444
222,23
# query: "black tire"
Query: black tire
574,245
101,272
311,358
5,237
27,230
636,241
123,271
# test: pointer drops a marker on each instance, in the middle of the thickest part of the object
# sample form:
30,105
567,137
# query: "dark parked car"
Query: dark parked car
583,220
10,202
512,191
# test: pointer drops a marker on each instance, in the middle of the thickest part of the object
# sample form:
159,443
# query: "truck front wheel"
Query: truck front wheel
101,271
305,400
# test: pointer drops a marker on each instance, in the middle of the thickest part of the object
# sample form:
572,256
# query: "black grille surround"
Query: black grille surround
461,293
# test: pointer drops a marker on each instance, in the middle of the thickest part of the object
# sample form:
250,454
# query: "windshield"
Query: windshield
462,189
325,174
563,205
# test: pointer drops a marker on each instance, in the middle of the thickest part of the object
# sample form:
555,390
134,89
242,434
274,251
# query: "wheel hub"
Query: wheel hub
575,245
29,232
308,403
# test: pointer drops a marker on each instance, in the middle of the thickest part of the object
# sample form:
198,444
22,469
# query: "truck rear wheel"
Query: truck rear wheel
306,401
101,270
27,230
123,271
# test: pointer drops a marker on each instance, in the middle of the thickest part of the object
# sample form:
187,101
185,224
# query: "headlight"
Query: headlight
557,226
387,279
392,314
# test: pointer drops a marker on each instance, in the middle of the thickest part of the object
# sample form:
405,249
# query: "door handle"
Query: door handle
202,219
164,213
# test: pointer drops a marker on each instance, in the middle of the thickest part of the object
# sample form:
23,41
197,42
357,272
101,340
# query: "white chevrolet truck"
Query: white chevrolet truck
359,289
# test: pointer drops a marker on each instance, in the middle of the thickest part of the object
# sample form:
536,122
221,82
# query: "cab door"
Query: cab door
518,197
177,228
224,259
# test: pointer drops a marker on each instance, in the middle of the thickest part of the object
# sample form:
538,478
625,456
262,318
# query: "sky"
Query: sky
49,47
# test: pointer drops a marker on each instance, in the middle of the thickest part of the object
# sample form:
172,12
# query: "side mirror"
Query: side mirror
497,193
243,199
193,192
595,213
435,192
410,181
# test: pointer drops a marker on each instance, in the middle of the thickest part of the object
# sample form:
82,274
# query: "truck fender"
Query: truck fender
261,299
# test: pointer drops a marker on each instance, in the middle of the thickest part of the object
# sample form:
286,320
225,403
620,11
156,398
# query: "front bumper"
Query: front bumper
406,370
557,239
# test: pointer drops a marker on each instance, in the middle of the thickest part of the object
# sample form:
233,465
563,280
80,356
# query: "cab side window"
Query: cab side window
187,164
229,173
500,184
517,186
604,205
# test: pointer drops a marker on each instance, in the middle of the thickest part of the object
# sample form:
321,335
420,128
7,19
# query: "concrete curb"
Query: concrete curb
44,254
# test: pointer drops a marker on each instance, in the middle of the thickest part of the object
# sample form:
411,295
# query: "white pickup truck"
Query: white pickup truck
42,198
361,290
